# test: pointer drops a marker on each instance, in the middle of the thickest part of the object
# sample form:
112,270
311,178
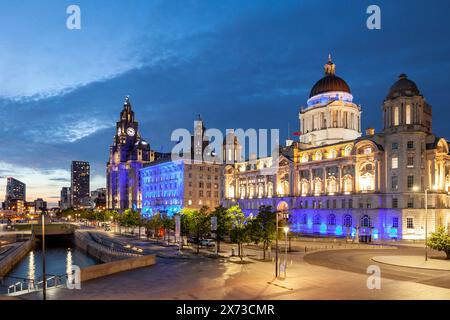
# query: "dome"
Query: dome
330,82
403,87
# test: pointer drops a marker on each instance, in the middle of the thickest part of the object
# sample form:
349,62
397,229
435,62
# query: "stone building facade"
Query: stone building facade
335,181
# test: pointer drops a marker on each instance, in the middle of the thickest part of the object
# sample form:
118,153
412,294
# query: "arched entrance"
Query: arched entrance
282,206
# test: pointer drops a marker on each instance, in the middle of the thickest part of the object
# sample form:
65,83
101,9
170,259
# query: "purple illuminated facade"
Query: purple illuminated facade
128,154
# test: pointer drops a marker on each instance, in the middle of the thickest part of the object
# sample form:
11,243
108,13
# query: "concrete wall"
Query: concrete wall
98,251
7,263
106,269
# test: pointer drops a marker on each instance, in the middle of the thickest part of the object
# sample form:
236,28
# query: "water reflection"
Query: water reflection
31,266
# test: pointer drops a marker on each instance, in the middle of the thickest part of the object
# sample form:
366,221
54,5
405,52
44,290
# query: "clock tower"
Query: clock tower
128,154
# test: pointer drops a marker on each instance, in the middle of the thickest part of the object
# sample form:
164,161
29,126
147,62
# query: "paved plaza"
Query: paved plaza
321,274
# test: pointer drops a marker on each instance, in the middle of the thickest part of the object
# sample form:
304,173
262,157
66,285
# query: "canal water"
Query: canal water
60,255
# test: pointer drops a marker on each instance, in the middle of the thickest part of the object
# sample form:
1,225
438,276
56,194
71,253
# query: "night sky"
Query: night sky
240,64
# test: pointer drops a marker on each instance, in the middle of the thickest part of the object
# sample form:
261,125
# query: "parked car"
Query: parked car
193,240
208,242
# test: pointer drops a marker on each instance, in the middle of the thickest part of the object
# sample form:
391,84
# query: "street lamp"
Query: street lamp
286,230
285,216
434,188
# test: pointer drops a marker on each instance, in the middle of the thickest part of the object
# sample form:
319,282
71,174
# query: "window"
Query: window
408,114
394,182
410,162
410,223
328,204
394,163
334,203
410,203
410,182
306,204
331,220
368,150
394,203
317,219
410,145
347,221
365,221
343,203
394,146
395,222
304,219
396,116
350,203
200,193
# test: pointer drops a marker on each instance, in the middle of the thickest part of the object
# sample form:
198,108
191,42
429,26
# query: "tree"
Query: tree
263,227
130,219
223,224
239,227
197,221
440,240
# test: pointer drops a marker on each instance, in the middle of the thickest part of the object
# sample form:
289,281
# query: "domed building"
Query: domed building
337,182
330,115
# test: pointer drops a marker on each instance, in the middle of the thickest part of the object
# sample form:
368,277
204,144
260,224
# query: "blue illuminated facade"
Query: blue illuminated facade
162,187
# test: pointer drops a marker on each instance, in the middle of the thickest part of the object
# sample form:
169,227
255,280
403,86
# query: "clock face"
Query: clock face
130,132
119,131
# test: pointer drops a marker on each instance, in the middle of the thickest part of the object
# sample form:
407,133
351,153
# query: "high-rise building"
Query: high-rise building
64,202
128,154
80,195
15,190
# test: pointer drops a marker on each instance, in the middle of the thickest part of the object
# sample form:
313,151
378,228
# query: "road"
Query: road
357,261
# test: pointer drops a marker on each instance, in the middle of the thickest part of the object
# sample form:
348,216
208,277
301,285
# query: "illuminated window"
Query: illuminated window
396,116
408,114
410,162
305,157
368,150
394,163
317,219
410,182
394,222
331,220
347,221
333,154
318,156
365,221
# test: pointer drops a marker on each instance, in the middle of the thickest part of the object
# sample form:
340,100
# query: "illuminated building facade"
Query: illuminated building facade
170,185
336,182
64,201
128,154
80,179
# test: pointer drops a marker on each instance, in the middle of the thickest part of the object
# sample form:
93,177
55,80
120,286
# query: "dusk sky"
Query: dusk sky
240,64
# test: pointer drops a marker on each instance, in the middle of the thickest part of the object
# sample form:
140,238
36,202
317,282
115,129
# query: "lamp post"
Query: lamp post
44,280
416,188
286,230
285,215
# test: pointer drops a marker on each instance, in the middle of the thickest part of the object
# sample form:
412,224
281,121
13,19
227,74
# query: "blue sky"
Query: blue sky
240,64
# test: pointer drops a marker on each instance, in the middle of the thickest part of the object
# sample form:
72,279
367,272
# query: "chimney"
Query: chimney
370,131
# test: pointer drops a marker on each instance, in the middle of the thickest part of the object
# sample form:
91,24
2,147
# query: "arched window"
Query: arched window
367,178
365,221
348,184
332,154
332,185
348,151
318,186
331,220
304,219
317,219
318,156
396,116
305,187
305,157
347,221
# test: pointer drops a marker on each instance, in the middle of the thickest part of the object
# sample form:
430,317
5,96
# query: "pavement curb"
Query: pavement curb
409,267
